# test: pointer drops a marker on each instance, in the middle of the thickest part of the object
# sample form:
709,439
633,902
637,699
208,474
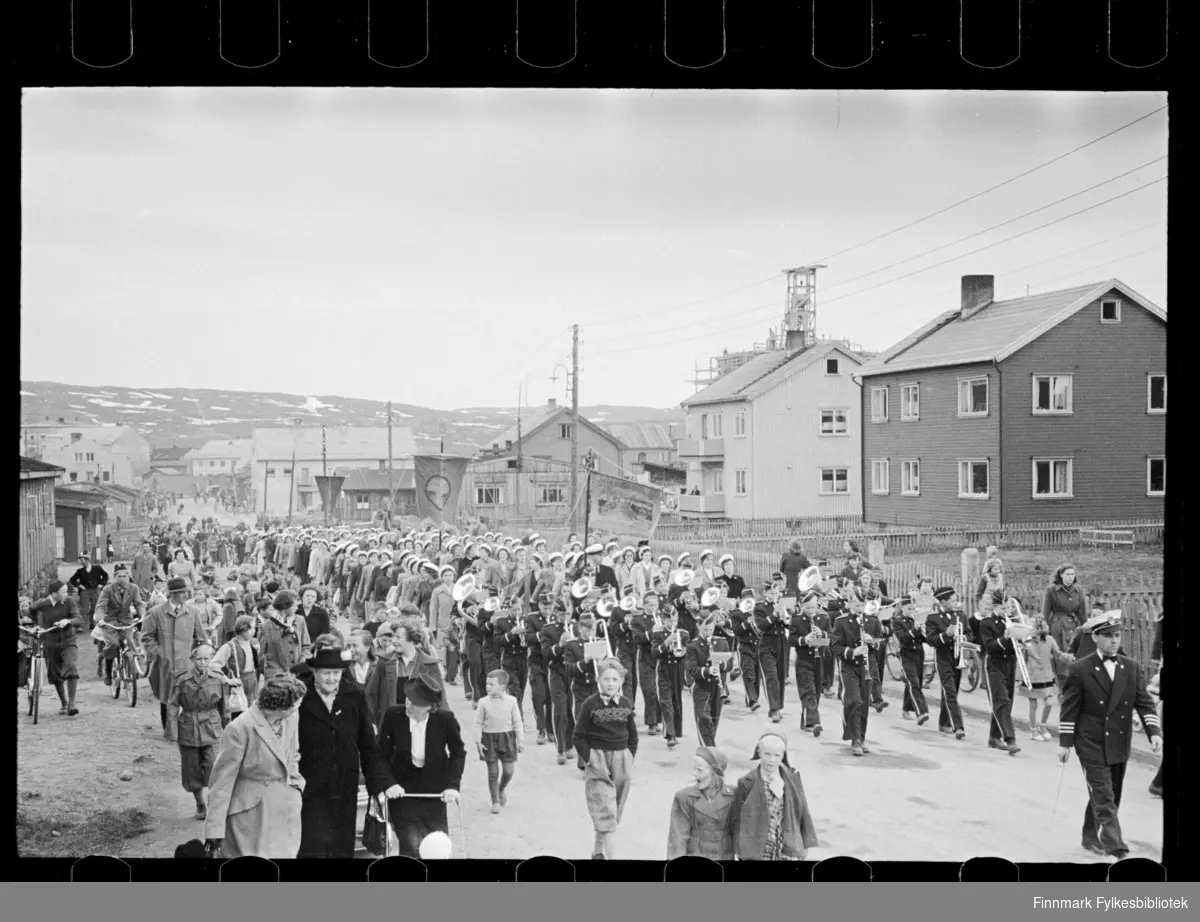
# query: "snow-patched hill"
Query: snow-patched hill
180,416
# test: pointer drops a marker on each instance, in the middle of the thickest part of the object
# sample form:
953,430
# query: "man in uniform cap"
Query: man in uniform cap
941,624
1102,691
606,576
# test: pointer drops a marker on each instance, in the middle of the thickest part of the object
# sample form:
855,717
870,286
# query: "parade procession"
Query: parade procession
596,475
330,690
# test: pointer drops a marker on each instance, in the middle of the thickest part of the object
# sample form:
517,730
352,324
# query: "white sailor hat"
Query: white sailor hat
666,557
447,569
705,553
682,557
725,557
385,553
594,549
555,555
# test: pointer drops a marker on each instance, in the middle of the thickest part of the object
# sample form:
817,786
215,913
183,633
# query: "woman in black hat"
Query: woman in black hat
424,748
336,741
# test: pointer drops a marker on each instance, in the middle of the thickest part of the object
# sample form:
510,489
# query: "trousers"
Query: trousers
772,659
949,677
1000,672
1101,828
516,663
914,695
562,712
670,697
706,706
649,682
748,658
856,695
629,686
539,691
808,685
473,670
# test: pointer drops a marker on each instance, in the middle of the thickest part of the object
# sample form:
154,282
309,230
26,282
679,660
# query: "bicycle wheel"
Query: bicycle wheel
895,670
130,677
971,675
35,688
119,676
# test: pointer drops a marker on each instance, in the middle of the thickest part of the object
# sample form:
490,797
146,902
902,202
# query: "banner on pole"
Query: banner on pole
330,488
439,483
623,507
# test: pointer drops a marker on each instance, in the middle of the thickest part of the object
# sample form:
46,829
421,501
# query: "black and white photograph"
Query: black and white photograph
604,474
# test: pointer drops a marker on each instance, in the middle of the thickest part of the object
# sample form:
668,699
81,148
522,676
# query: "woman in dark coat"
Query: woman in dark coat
700,812
1064,606
443,760
793,564
336,742
769,818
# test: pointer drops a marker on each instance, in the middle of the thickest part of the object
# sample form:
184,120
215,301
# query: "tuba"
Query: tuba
709,597
581,587
683,578
464,587
808,580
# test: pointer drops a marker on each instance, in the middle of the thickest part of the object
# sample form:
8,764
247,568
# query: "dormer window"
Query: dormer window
1110,311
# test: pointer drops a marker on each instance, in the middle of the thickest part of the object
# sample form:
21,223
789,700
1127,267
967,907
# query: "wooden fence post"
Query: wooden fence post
969,564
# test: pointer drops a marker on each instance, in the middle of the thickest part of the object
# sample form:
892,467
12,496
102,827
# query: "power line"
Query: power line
1107,262
897,230
1006,182
721,320
898,278
996,226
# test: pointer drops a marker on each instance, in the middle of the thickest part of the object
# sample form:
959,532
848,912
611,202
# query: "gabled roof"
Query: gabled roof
64,495
996,331
174,453
540,419
765,372
230,448
350,443
36,467
371,480
101,435
642,436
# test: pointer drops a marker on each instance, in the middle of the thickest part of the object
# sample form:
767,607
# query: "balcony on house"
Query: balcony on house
704,449
712,504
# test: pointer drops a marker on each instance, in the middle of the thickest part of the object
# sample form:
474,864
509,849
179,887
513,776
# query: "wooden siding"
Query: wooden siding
36,542
789,451
1108,435
938,439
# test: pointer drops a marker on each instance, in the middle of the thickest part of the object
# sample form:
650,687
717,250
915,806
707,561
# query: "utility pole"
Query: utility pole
391,492
517,491
574,427
325,473
292,488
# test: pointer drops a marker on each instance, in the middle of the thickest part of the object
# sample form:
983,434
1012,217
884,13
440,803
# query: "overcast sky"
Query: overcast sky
433,247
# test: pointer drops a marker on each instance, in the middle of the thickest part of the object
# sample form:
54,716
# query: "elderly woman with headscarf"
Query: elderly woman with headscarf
769,818
700,812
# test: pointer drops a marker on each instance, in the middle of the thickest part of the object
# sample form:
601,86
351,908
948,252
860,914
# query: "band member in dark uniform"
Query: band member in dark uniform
642,625
669,645
578,666
723,633
473,643
999,660
809,626
490,647
850,649
509,631
562,713
1156,786
624,648
940,627
746,633
705,679
772,649
687,611
1101,693
539,685
911,636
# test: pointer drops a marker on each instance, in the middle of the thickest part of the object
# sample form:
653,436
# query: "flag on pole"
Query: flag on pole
439,482
623,507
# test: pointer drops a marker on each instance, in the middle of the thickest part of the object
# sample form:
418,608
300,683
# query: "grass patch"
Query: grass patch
103,833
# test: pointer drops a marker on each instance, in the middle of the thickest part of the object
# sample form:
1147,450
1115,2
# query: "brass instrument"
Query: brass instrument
1019,632
684,577
809,579
628,604
676,642
464,587
581,587
709,597
602,628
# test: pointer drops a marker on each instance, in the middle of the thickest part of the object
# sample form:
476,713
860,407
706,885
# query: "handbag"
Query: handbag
375,834
237,693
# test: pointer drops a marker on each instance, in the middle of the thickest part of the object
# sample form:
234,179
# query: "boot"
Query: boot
201,805
541,738
856,749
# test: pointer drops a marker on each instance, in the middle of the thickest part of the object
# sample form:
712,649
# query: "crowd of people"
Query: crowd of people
280,717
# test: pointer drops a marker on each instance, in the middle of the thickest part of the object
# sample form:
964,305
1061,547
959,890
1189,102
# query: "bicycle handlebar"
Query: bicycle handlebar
40,630
120,627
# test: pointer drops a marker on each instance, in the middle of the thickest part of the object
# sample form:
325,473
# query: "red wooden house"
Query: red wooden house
1046,408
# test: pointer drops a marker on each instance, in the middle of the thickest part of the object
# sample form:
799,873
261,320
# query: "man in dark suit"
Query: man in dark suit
605,574
337,740
1102,691
423,746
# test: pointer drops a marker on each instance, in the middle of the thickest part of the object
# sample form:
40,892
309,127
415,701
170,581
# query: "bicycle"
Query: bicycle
972,671
37,667
130,663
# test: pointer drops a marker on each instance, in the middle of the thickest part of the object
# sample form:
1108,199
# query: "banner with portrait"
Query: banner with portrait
439,482
623,507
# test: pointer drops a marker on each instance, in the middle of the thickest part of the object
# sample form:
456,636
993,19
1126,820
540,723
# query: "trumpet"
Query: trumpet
676,642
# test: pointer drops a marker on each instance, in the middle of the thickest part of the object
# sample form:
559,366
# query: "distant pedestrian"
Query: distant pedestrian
109,551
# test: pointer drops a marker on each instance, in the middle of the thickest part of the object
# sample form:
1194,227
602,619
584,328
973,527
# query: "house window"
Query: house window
910,478
362,503
739,482
739,423
835,481
79,457
91,456
508,444
1052,394
1110,311
74,477
1156,476
104,476
880,476
487,496
832,367
287,472
973,397
221,464
879,404
833,422
718,481
552,495
212,463
641,456
564,430
716,426
973,479
270,472
383,465
910,401
703,426
1052,478
1156,394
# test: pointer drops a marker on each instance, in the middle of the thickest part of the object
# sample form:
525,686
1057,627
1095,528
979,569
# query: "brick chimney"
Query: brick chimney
978,291
551,403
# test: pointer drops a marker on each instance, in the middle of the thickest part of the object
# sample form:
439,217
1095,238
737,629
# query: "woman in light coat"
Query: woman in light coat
254,798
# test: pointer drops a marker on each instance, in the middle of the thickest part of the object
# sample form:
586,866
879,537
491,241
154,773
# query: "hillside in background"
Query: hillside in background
184,417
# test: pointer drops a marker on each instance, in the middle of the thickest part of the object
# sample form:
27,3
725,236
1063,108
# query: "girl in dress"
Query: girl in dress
499,735
1043,658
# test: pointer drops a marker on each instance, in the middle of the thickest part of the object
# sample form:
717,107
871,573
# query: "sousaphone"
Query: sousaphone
684,577
464,587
